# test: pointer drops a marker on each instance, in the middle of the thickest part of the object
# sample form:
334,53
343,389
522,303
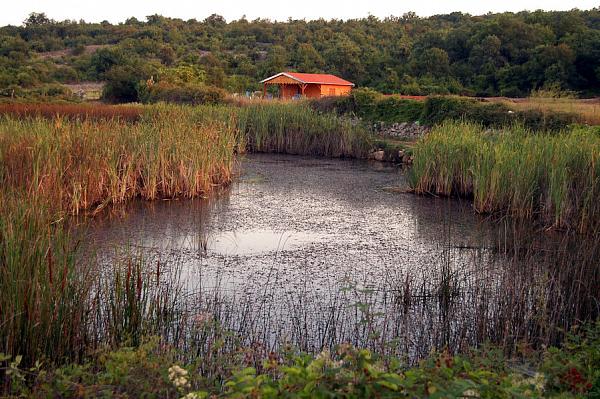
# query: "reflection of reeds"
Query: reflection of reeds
555,177
528,290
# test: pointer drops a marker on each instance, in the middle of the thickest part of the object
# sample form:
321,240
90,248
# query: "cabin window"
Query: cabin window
332,91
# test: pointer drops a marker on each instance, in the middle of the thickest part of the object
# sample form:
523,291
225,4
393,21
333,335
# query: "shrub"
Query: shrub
121,85
396,109
193,94
570,371
438,109
371,106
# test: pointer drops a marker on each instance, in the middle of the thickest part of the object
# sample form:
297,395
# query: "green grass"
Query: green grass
555,179
297,129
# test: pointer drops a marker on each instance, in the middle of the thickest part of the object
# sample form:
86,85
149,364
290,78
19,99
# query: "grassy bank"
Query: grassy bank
587,110
552,178
538,115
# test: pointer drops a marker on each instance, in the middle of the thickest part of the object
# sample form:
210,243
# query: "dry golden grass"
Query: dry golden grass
85,164
73,111
587,110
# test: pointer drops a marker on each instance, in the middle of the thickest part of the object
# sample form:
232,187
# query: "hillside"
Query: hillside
492,55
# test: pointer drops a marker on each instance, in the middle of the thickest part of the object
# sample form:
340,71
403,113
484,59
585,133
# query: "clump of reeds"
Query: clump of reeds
42,296
88,164
128,113
554,178
295,128
50,167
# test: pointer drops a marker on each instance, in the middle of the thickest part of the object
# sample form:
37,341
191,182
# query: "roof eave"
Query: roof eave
284,74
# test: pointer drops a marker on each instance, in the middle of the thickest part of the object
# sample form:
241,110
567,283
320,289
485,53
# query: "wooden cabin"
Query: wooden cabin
293,84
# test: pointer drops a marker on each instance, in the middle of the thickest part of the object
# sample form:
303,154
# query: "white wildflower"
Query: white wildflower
193,395
178,376
470,393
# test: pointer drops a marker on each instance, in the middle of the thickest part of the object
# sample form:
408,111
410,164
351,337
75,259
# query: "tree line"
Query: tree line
507,54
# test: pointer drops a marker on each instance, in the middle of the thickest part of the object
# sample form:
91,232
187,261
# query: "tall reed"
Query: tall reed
554,178
53,167
42,295
291,128
88,164
297,129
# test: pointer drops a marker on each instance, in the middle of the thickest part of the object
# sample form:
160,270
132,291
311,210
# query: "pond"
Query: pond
318,252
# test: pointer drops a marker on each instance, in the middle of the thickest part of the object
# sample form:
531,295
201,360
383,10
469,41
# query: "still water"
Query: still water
315,252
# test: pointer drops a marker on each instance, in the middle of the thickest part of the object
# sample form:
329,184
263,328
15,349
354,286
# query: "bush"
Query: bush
121,85
395,109
371,106
182,94
438,109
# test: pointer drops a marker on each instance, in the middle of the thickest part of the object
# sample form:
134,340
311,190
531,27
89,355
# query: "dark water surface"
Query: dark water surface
316,252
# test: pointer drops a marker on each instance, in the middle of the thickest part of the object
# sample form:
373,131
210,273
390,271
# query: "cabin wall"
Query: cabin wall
288,91
335,90
312,90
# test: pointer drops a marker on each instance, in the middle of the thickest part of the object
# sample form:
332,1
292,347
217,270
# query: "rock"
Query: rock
405,130
379,155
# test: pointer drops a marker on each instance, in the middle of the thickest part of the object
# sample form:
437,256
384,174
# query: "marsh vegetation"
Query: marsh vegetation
63,301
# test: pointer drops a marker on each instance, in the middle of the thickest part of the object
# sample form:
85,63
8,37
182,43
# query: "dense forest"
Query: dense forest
491,55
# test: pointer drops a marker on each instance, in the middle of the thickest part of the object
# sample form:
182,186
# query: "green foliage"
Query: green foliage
371,106
575,366
440,109
375,107
494,54
194,94
121,85
182,75
148,371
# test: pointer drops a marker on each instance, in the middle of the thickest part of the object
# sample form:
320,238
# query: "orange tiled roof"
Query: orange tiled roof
319,78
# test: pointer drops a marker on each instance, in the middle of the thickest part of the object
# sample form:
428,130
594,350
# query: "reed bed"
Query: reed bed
294,128
555,179
53,167
290,128
82,165
42,296
60,160
128,113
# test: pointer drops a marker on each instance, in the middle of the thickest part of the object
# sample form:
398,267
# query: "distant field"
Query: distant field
89,91
588,110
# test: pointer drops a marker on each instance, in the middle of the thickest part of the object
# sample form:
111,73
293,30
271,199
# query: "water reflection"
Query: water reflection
318,252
